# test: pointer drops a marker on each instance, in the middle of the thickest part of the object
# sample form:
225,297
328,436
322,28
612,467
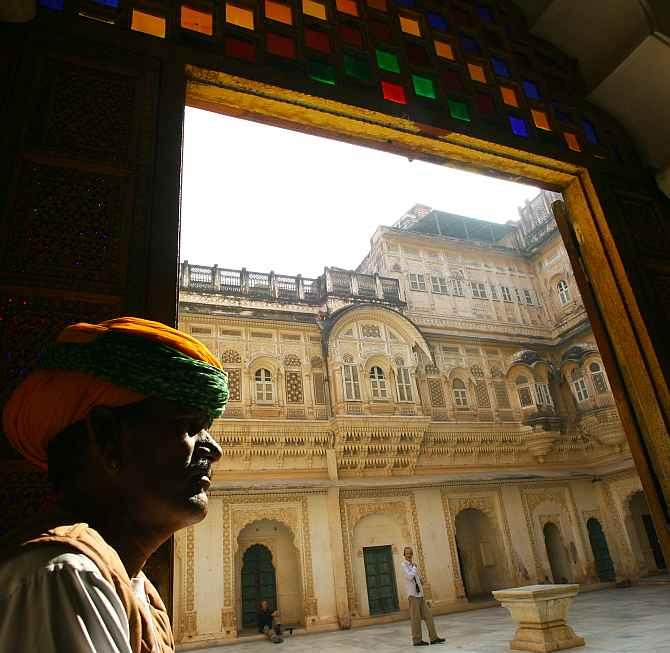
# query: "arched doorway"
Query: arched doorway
558,559
479,555
644,534
601,552
259,583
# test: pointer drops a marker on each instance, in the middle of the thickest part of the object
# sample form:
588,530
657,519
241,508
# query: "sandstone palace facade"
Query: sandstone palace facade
448,395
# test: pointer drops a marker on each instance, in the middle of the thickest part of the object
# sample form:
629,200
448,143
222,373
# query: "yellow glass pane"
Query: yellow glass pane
540,119
571,140
477,73
196,21
280,12
240,16
410,26
444,50
148,23
314,9
509,96
347,7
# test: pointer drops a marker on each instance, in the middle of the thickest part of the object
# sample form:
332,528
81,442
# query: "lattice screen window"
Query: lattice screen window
294,393
525,395
436,393
460,394
231,356
370,331
319,388
291,360
234,384
598,378
482,394
501,394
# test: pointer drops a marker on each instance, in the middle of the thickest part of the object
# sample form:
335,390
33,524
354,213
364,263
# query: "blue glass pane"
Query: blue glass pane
469,44
107,3
405,3
436,21
485,13
52,4
519,127
561,115
531,90
500,67
589,132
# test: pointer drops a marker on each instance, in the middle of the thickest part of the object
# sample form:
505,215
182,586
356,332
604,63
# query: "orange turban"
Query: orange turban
115,363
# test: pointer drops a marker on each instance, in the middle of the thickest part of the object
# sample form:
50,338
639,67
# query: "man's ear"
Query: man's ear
104,432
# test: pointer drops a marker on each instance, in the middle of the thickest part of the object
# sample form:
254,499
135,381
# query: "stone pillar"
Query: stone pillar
337,548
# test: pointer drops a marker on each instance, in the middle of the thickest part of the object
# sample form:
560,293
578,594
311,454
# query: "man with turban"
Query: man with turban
118,413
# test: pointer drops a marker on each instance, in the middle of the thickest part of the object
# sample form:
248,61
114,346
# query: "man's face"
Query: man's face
264,605
408,554
166,464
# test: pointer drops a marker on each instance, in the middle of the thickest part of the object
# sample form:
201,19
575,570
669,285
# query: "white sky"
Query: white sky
265,198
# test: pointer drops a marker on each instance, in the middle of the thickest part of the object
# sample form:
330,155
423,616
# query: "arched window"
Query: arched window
523,390
579,385
404,384
378,383
263,384
460,394
542,395
563,292
598,378
352,389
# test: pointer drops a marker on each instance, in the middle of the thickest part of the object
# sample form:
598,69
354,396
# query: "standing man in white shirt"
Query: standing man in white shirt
418,608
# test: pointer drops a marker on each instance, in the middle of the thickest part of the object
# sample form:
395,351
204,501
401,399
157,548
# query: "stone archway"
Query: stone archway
644,536
558,559
481,560
258,583
601,552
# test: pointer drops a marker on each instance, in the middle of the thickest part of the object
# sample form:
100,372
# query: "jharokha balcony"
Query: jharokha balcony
268,286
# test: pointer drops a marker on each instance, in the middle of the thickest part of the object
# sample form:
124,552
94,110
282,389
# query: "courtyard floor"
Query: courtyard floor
627,620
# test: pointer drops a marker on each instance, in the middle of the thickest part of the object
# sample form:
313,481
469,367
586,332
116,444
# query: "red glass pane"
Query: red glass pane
453,81
394,93
350,35
380,31
279,45
239,49
416,55
317,40
484,103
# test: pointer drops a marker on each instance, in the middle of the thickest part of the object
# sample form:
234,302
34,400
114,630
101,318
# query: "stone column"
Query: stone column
337,549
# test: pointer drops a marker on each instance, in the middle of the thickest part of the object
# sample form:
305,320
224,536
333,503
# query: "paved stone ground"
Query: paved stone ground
631,620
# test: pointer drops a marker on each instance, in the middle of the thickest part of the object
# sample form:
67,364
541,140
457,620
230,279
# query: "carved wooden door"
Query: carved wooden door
601,552
259,583
380,578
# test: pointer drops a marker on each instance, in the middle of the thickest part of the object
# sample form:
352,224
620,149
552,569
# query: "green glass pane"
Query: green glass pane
356,67
459,110
423,86
321,72
387,61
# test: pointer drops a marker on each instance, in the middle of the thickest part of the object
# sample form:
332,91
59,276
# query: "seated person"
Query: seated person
268,623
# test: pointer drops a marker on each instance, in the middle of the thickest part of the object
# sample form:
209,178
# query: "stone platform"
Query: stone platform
633,620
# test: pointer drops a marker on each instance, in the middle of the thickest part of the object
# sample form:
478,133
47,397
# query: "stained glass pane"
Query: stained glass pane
393,92
356,67
477,73
148,23
314,9
484,103
444,50
500,67
317,40
278,11
410,26
470,44
405,3
423,86
279,45
560,114
387,61
453,81
459,110
196,20
107,3
484,13
240,16
531,90
540,119
321,72
380,31
416,55
52,4
379,5
572,141
519,126
509,96
436,21
239,49
589,131
350,35
347,7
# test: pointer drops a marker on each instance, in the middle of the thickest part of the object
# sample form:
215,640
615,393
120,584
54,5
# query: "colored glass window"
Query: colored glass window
470,44
350,35
444,50
380,31
321,72
347,7
436,21
461,17
560,114
393,92
240,16
148,23
405,3
519,126
477,73
279,12
107,3
317,40
459,110
314,9
379,5
239,49
572,141
279,45
500,67
453,81
509,96
410,26
531,90
484,103
589,131
484,13
540,119
423,86
356,67
196,20
416,55
387,61
53,4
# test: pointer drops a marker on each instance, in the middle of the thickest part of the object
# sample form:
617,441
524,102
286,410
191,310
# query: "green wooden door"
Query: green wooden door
601,552
653,542
258,583
380,577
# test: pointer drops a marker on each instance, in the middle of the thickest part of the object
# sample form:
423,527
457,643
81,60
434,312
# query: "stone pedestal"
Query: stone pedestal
541,612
